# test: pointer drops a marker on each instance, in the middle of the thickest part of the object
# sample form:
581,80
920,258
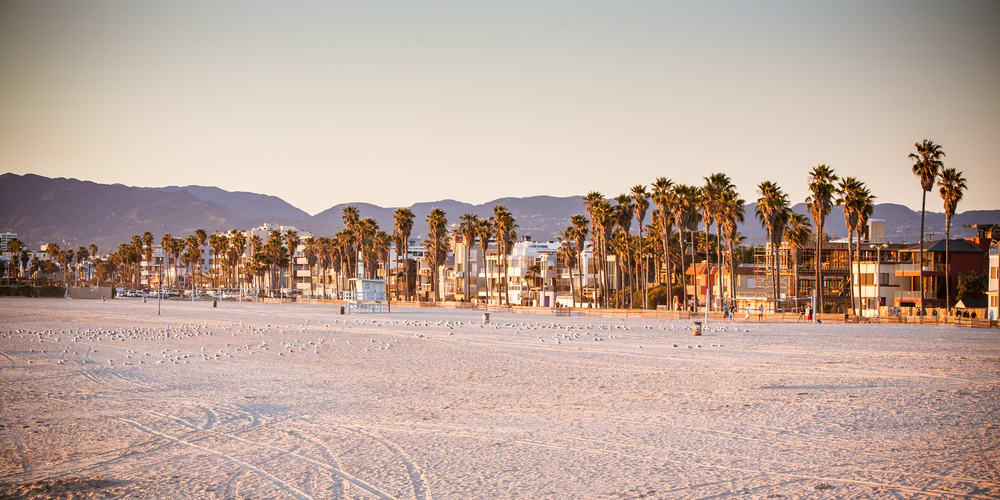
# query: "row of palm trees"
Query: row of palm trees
669,241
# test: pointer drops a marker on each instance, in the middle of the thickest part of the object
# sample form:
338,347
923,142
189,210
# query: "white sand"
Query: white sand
317,405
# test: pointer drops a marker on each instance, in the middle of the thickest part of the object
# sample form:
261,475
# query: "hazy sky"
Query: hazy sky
397,102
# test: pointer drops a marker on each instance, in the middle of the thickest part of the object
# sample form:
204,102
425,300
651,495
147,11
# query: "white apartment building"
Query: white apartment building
5,238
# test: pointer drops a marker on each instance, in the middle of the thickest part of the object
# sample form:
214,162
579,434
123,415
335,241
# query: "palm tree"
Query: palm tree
351,217
202,237
567,255
848,197
403,219
820,202
606,216
773,212
716,186
580,229
216,242
81,255
437,230
623,219
192,256
864,210
484,231
728,216
311,253
926,164
592,202
641,199
467,228
662,197
952,187
797,236
687,216
15,246
505,229
238,244
292,242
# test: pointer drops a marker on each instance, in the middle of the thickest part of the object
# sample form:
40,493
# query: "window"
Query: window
883,279
993,272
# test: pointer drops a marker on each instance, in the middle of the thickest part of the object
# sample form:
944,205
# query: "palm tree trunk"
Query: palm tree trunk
680,244
579,264
666,262
694,272
850,266
947,263
819,268
923,207
708,264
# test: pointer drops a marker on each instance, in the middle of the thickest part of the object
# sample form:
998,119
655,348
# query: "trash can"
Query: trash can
215,303
486,318
341,310
696,328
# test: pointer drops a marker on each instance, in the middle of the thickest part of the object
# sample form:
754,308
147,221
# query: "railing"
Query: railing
928,268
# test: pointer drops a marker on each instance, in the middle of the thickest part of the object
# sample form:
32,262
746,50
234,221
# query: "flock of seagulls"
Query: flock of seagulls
255,340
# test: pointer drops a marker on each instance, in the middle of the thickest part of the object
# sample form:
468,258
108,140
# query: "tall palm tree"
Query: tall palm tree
437,230
687,206
504,228
238,243
166,243
797,236
403,225
580,230
484,231
716,186
662,197
640,198
216,242
292,240
927,161
819,203
729,214
592,203
202,240
311,252
351,217
467,228
848,197
623,219
567,255
864,210
15,246
606,216
192,257
81,255
952,187
773,212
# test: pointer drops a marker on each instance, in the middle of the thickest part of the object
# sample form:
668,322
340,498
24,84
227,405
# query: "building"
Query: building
993,290
5,238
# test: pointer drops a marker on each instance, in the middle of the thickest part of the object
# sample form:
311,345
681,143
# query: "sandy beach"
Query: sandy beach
107,400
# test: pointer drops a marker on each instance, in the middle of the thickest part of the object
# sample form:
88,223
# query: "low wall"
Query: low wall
89,292
769,317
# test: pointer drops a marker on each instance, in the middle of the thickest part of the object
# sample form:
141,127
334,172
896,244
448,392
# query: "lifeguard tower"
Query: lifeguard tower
365,295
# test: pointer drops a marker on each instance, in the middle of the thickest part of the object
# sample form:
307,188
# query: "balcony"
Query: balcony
911,269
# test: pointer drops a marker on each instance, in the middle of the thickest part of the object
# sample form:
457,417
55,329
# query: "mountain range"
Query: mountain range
74,213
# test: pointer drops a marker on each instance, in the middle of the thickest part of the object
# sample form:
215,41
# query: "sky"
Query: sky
398,102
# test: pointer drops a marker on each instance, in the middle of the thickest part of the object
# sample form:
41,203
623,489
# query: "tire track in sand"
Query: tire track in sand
287,488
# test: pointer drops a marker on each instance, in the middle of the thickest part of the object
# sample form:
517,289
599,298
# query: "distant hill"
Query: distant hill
74,212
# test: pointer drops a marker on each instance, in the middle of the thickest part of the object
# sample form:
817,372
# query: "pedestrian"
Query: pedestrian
760,312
